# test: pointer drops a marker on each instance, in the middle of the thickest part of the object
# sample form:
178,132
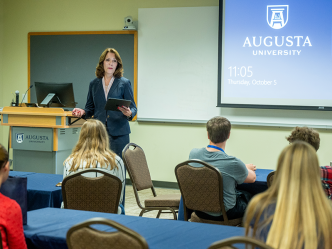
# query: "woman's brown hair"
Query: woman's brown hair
4,157
100,72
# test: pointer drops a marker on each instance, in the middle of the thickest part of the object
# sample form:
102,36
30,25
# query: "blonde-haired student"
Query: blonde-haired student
92,151
294,212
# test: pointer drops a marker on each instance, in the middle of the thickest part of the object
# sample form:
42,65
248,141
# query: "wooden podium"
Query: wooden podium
41,138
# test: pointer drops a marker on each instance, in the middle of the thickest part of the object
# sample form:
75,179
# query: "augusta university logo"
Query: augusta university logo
19,137
277,16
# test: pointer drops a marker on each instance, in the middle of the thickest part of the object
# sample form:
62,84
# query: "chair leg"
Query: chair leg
174,214
158,215
142,212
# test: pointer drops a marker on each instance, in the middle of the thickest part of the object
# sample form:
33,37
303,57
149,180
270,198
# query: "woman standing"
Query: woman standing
11,221
110,84
92,151
294,212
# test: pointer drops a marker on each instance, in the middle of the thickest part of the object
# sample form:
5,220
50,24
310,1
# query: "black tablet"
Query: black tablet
113,104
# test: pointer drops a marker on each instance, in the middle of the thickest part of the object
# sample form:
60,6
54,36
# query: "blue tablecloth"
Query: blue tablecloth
258,186
42,191
19,173
47,228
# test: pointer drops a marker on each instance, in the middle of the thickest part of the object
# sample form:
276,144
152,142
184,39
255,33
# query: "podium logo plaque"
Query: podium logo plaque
19,137
32,138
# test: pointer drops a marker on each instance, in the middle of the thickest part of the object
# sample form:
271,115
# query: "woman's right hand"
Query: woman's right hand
78,112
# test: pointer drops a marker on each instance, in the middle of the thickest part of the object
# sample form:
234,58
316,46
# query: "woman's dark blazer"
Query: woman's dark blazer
117,123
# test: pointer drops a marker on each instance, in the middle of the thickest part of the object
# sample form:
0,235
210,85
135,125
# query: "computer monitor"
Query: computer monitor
55,94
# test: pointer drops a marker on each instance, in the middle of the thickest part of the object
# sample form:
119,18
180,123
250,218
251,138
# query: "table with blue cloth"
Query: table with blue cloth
42,191
259,186
47,228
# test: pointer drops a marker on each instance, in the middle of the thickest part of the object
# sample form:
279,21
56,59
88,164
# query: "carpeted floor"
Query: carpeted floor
132,208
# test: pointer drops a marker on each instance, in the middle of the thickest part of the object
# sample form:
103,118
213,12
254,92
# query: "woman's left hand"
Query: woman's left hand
125,110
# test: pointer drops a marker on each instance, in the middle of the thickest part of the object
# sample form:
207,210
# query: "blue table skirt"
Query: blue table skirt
258,186
42,191
47,228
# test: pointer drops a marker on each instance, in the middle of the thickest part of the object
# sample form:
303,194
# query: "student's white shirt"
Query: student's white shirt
118,172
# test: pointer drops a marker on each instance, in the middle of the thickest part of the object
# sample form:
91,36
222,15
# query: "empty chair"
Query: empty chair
270,178
99,194
228,243
202,190
84,236
135,161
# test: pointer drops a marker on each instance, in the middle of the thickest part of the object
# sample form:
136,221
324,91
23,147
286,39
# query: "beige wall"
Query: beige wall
1,61
165,144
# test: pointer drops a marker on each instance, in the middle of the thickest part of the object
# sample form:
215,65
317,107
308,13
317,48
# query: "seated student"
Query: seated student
294,212
233,170
312,137
92,151
11,221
